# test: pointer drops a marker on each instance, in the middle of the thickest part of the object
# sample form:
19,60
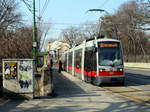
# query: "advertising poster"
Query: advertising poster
18,76
10,76
25,77
10,70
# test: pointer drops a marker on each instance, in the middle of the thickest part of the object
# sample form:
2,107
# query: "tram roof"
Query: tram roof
107,39
101,38
90,42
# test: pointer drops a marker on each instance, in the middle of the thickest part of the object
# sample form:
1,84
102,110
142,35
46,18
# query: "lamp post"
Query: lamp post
34,46
34,31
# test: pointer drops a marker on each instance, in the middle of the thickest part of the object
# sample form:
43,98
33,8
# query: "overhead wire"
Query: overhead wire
45,7
28,6
26,2
104,3
70,23
41,14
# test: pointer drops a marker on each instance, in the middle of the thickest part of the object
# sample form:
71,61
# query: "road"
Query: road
138,76
74,95
137,86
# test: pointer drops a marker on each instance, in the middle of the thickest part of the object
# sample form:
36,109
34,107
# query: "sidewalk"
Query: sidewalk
65,85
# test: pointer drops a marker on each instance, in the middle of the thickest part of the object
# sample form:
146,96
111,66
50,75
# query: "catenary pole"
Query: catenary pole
34,47
34,30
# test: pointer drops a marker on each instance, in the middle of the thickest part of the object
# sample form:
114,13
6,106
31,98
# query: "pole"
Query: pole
34,46
39,25
34,31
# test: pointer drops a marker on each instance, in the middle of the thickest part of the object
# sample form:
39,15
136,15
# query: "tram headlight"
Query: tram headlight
102,70
120,69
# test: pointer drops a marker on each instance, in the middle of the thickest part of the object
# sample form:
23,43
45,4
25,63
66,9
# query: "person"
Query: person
60,66
49,61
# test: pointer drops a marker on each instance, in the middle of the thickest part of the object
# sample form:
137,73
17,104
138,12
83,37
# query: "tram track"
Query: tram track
131,93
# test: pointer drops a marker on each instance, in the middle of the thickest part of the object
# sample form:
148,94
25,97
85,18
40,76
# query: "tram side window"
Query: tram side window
65,63
70,59
94,60
90,59
78,58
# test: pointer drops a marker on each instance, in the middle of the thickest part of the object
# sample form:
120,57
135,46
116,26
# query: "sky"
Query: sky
64,13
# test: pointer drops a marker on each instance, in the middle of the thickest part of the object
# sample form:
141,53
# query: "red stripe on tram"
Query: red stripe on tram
79,70
110,73
70,67
90,74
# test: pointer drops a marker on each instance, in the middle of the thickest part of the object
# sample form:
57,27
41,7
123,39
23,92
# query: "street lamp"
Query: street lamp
94,10
98,10
111,20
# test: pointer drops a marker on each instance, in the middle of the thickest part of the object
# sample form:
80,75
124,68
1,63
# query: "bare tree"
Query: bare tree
18,45
9,17
76,35
143,15
43,30
127,25
88,30
70,35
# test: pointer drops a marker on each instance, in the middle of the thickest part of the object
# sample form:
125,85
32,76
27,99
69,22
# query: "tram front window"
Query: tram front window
109,54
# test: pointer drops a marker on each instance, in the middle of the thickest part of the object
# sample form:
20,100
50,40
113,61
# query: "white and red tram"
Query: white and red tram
96,61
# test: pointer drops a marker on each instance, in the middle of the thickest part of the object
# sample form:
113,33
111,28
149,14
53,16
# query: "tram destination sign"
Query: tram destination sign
108,44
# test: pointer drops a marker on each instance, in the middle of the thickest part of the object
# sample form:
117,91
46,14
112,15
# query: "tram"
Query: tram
96,61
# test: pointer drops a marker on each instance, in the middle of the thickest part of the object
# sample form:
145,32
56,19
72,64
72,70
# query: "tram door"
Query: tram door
90,64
